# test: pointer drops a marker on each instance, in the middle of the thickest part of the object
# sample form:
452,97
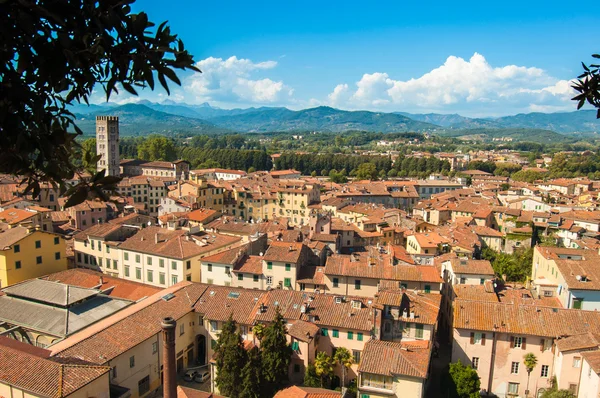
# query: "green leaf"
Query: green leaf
78,197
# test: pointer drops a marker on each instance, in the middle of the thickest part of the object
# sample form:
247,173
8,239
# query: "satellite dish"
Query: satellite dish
578,277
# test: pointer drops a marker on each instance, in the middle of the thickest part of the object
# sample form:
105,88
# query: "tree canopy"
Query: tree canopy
276,354
588,86
465,382
54,54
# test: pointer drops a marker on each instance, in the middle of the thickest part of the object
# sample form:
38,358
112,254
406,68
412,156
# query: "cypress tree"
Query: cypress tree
230,360
252,375
276,354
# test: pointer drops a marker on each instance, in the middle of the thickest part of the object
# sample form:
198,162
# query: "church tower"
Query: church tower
107,144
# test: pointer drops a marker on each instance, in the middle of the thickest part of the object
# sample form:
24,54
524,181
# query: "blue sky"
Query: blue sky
473,58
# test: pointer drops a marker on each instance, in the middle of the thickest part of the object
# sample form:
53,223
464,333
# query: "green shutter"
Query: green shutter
324,332
359,336
295,346
350,335
269,265
427,288
288,267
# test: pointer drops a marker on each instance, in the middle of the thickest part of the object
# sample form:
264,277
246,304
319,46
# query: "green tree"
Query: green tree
344,358
530,361
324,367
366,171
157,148
276,354
554,393
313,173
230,360
588,86
54,55
88,152
252,375
465,381
258,331
311,379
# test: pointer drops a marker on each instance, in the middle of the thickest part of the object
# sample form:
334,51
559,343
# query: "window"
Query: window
269,280
350,335
188,264
335,333
577,303
173,264
209,267
161,263
356,355
155,347
324,332
137,258
144,385
56,240
462,280
227,270
17,265
173,279
475,363
577,362
181,329
288,267
287,282
38,244
209,281
336,282
132,361
427,288
114,372
514,368
150,276
16,248
240,277
57,256
481,281
127,270
418,331
126,256
518,342
478,338
149,260
573,388
255,277
38,260
513,388
138,273
544,371
269,265
359,336
114,264
214,326
357,284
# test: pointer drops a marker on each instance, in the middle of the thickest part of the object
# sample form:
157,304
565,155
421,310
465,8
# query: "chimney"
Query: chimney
101,281
169,368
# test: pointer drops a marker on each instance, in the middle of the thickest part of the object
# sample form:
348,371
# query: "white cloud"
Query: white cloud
469,86
231,80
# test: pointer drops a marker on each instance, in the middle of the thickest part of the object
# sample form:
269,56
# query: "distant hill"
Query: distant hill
138,119
169,117
322,118
562,122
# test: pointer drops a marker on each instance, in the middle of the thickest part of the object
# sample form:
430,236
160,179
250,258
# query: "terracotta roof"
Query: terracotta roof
524,319
231,256
15,216
593,359
396,358
11,236
311,274
175,244
579,342
186,392
111,286
464,265
109,338
307,392
201,215
426,307
218,302
36,374
249,265
302,330
289,252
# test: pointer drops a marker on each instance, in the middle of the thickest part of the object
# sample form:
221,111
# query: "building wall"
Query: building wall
98,388
589,384
28,254
503,357
566,373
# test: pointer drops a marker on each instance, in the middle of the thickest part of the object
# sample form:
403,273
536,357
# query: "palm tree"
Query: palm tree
529,360
323,366
344,358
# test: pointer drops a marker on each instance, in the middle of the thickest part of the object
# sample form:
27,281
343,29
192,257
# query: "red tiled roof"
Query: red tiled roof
396,358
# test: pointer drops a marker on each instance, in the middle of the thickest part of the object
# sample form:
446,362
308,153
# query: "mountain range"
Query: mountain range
169,117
